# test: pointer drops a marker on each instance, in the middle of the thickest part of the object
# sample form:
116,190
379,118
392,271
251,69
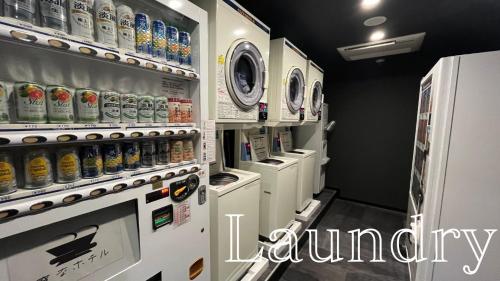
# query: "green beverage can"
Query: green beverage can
59,104
87,105
161,109
30,103
128,104
145,109
109,103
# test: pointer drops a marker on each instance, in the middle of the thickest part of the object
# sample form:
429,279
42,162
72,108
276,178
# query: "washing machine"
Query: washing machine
283,146
287,85
314,93
238,63
278,195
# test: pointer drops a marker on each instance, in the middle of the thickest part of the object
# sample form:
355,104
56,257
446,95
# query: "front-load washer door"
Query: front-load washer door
315,99
295,90
245,74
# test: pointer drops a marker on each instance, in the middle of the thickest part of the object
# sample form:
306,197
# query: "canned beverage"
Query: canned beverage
30,103
59,104
128,104
146,109
4,103
68,165
188,150
109,103
92,166
87,105
143,36
131,156
37,169
163,148
172,45
125,20
106,22
81,18
148,154
185,49
177,151
113,158
161,109
8,183
54,14
159,40
174,110
186,108
24,10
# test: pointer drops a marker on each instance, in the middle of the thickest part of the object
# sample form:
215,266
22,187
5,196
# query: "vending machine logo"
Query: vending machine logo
76,248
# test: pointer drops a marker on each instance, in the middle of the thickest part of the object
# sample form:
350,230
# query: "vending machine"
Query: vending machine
103,156
455,174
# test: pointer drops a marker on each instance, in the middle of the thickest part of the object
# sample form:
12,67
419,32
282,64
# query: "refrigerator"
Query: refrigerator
455,177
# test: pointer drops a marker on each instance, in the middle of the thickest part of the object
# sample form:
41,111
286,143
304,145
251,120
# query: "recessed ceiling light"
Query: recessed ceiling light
375,21
369,4
377,35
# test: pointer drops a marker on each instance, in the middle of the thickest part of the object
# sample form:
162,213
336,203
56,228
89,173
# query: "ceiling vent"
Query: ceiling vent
383,48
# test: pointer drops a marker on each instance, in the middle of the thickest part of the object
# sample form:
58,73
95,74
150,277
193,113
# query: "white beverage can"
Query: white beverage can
87,105
146,109
30,103
161,109
106,22
125,21
4,103
109,103
59,104
128,104
81,14
54,14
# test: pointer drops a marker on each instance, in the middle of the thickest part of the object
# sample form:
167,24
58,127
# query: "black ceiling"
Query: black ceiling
319,27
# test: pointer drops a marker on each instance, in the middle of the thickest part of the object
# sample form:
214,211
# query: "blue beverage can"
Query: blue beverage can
92,166
131,156
184,49
159,39
113,158
172,45
143,36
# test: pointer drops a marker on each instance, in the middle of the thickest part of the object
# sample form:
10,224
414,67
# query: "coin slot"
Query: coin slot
41,206
170,175
136,134
155,179
111,56
58,44
154,134
66,138
97,192
119,187
94,137
132,61
8,213
4,141
34,139
116,136
167,69
72,198
196,269
139,182
23,36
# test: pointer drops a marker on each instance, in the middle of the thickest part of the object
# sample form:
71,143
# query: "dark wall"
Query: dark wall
375,107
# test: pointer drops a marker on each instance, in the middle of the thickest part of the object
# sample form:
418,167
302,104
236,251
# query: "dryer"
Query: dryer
278,195
314,93
238,63
287,85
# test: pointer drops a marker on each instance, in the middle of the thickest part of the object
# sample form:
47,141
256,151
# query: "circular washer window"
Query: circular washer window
316,98
245,74
295,90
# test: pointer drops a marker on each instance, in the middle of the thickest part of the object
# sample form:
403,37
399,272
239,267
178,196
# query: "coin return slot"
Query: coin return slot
169,133
139,182
34,139
119,187
196,269
116,136
97,192
155,179
8,214
132,61
66,138
136,134
170,175
58,44
154,134
94,137
87,51
4,141
41,206
72,198
111,56
150,65
167,69
23,36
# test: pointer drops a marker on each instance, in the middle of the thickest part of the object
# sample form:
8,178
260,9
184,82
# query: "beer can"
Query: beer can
145,109
128,105
106,22
163,148
185,49
131,156
113,158
8,183
159,40
87,105
172,45
59,104
148,154
161,109
30,103
91,158
68,165
143,35
81,18
54,14
37,169
24,10
109,103
4,103
126,27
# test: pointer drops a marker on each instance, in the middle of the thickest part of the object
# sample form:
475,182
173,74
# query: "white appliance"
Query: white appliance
315,137
287,85
278,194
283,146
314,92
455,174
238,63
